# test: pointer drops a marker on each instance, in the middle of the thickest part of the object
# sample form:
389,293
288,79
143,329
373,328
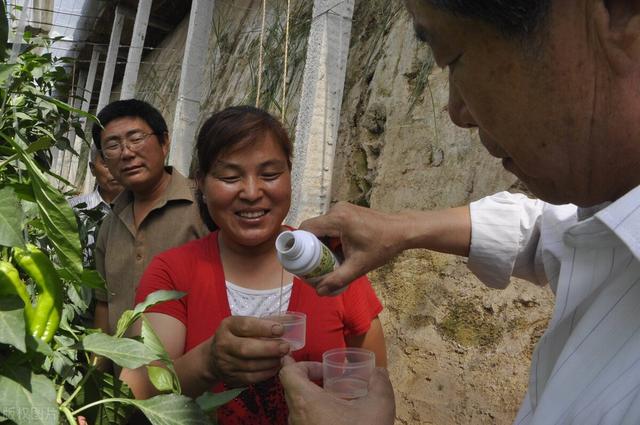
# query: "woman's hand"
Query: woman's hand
244,350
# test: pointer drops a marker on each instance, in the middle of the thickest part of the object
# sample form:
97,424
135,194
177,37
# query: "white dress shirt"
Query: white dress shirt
586,367
91,201
89,223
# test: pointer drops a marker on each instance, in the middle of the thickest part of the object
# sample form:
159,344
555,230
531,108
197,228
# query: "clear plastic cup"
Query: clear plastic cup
295,327
346,371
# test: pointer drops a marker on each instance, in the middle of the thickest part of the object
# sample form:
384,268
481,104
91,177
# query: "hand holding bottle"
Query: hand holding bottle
369,239
301,253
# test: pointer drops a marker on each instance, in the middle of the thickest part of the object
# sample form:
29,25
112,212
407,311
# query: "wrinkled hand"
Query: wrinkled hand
241,352
311,405
369,239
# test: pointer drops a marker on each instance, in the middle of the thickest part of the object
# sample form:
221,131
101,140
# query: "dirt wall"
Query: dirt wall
459,352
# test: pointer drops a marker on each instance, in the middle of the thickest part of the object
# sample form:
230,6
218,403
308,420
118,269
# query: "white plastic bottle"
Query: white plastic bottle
302,254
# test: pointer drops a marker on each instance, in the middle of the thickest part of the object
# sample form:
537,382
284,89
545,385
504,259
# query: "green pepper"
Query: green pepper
11,284
48,308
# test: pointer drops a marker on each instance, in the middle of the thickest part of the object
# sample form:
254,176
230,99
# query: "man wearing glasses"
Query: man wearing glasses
155,212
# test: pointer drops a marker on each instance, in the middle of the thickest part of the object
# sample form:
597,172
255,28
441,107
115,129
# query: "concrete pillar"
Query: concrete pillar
69,160
135,50
17,39
86,80
82,173
190,90
319,112
57,154
112,56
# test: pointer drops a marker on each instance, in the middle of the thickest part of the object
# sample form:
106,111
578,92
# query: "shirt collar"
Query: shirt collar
179,189
99,197
611,224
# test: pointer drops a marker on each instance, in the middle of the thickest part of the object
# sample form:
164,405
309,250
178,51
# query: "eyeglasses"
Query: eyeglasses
112,148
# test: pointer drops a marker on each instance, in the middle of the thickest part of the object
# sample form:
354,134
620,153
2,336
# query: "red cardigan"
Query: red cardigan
196,268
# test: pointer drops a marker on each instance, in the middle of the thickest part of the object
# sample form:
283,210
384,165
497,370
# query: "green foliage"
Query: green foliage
53,382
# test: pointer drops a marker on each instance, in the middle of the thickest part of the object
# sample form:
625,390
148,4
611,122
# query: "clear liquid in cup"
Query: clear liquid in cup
295,326
295,344
347,388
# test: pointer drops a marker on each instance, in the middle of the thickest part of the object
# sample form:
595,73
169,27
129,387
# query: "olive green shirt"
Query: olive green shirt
124,252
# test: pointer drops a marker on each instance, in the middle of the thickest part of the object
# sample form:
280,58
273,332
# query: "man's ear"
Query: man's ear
617,24
166,145
199,178
92,168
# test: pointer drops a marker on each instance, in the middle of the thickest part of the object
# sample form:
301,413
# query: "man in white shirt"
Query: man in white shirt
93,207
90,210
553,88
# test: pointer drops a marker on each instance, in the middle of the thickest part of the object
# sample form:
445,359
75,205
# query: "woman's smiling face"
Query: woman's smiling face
248,192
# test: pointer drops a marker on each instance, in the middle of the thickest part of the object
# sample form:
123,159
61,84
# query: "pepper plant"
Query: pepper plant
48,359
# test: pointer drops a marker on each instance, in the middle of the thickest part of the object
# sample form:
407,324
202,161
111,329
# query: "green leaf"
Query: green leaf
39,145
6,70
59,222
161,378
12,326
57,216
27,398
125,352
125,320
172,409
23,116
24,191
10,218
130,316
62,364
151,340
157,297
38,346
89,278
67,107
4,31
92,279
209,401
101,386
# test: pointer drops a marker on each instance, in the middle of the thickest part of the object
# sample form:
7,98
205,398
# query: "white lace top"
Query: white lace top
257,302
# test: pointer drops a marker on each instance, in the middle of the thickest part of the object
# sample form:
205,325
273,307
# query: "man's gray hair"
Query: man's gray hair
520,18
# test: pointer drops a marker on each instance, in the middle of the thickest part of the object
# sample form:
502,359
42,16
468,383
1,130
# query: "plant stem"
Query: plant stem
79,387
59,395
99,402
8,160
68,415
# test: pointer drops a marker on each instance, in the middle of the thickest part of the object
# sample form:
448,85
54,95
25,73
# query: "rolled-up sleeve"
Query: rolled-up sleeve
505,231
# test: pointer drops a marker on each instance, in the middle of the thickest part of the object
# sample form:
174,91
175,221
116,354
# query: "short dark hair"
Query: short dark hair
520,18
130,108
233,127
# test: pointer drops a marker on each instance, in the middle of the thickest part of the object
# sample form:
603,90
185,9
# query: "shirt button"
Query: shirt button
139,257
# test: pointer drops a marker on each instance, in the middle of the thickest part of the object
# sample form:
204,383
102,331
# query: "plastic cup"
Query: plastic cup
295,327
346,371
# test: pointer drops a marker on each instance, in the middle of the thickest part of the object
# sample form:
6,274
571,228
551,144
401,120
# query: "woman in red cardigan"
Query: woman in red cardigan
232,276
